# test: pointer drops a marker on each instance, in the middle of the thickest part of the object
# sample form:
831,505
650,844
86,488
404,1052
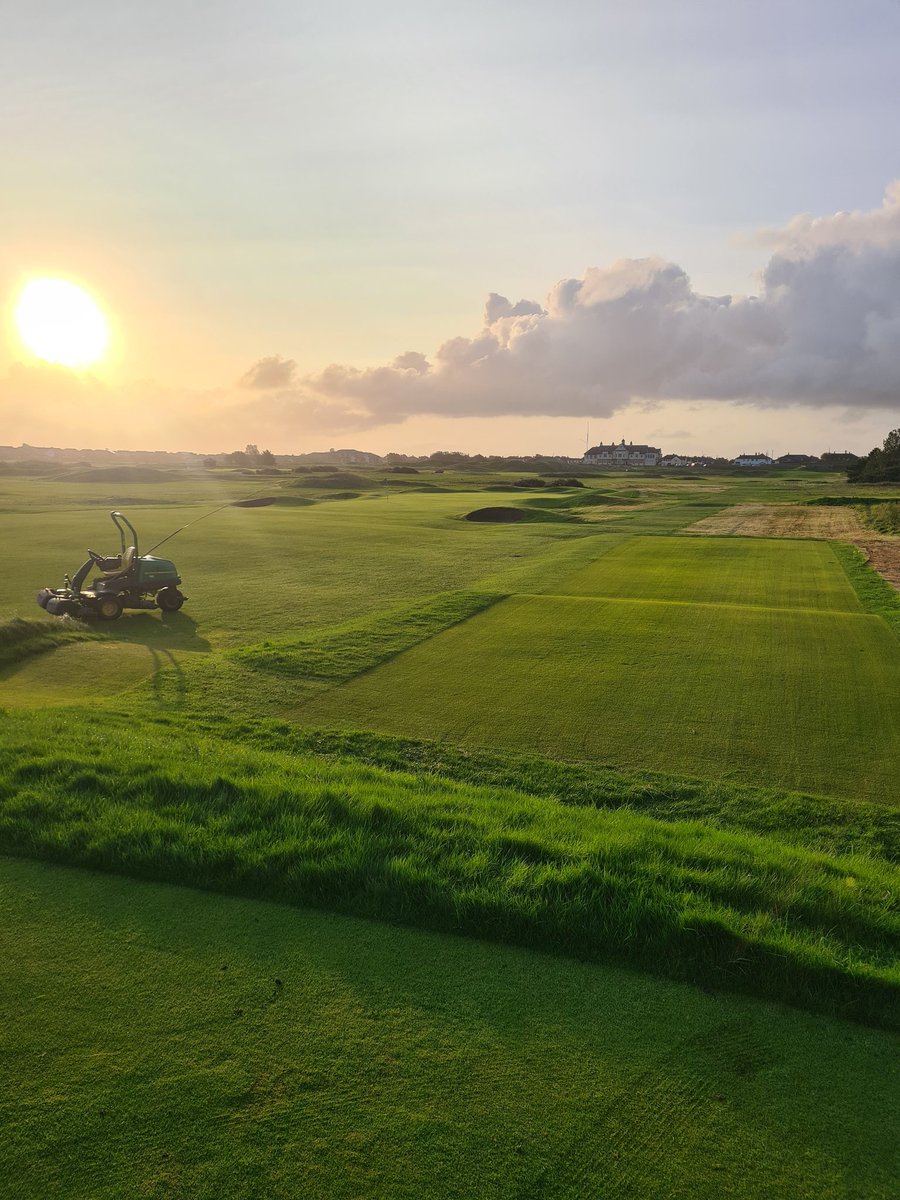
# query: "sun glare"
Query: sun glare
60,323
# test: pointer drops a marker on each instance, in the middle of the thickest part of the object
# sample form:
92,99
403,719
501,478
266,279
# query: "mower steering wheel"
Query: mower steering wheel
97,558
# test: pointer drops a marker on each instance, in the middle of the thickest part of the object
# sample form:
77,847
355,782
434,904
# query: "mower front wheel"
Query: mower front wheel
109,608
169,599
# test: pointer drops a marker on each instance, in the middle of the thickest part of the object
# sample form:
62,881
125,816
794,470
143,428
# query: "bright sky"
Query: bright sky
346,183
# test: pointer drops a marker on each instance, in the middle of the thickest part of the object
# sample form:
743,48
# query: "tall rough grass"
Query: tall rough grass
678,898
884,517
830,824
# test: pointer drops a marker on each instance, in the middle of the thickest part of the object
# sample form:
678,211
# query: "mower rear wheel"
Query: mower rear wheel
109,608
169,599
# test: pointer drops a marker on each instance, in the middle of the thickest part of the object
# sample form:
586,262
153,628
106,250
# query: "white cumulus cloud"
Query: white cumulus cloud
824,329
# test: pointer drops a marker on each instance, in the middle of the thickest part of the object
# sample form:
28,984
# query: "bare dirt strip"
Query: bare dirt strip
806,521
884,555
783,520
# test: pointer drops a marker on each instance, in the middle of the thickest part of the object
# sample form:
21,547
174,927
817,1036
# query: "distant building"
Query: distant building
839,460
675,460
754,460
623,456
344,457
798,460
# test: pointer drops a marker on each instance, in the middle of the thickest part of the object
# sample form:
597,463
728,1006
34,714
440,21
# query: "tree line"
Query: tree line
880,465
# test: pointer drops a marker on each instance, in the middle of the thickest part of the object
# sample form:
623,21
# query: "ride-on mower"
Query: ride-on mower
124,580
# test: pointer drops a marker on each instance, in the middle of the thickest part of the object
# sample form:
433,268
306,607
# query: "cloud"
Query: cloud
823,330
805,233
271,372
498,306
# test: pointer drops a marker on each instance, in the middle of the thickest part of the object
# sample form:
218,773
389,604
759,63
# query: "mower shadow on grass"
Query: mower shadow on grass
167,682
160,631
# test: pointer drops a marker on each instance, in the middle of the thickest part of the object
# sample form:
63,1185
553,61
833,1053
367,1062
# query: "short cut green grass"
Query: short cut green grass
745,660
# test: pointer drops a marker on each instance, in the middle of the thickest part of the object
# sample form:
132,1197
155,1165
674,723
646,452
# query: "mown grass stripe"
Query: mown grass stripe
598,596
753,695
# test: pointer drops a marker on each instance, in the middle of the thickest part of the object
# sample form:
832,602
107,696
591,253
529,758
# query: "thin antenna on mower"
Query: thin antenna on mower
212,513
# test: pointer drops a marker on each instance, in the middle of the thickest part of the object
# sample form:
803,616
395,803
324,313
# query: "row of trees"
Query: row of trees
879,465
251,457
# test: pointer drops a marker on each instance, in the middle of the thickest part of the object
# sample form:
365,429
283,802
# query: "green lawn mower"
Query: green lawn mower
124,580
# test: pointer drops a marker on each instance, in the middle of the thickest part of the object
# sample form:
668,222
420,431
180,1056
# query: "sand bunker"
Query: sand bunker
497,516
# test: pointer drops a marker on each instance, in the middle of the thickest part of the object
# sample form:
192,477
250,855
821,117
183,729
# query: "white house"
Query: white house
674,460
754,460
623,456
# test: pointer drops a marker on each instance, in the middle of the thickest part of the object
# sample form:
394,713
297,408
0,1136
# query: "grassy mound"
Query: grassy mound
340,480
20,638
676,898
861,502
122,475
31,467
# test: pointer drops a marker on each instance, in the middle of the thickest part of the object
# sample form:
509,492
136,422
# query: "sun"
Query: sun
60,323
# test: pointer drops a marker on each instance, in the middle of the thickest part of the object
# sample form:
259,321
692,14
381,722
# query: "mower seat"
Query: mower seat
124,566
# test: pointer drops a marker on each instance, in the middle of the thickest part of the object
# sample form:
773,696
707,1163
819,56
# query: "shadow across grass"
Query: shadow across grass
158,631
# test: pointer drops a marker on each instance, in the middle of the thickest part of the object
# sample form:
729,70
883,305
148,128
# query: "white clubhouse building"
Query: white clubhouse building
623,456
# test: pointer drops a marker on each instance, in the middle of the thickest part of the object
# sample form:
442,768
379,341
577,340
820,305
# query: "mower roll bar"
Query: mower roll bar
97,560
119,519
